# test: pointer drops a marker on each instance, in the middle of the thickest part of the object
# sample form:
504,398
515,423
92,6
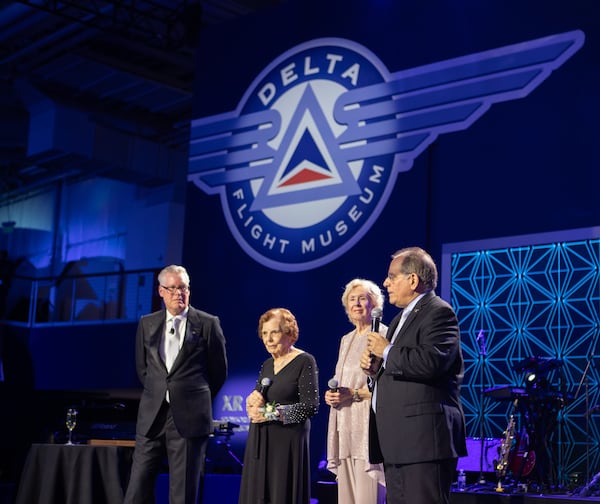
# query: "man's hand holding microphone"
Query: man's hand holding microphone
371,359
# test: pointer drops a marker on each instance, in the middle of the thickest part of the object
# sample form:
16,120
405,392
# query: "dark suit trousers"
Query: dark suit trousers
422,483
185,458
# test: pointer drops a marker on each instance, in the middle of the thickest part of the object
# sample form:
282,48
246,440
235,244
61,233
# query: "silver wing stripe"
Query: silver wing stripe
401,116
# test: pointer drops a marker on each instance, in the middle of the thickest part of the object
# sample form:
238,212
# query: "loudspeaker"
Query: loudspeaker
471,462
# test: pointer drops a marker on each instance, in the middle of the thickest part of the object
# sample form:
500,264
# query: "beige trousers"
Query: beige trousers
355,486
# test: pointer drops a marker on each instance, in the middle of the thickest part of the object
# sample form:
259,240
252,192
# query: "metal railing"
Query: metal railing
121,296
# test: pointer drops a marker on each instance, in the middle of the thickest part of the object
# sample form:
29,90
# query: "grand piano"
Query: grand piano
101,414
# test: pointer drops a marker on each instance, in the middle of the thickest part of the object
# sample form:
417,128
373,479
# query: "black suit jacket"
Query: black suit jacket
196,376
419,416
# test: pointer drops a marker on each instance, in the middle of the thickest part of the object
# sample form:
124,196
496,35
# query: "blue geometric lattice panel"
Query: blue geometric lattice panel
532,307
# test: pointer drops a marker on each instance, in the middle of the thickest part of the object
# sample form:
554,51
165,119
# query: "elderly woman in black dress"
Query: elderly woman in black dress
276,460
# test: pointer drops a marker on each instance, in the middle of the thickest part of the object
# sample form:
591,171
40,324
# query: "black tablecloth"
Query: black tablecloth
78,474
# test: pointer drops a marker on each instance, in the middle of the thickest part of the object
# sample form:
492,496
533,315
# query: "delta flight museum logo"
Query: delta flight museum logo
308,160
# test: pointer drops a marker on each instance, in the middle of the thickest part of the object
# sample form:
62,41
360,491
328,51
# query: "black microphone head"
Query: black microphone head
172,331
376,313
333,384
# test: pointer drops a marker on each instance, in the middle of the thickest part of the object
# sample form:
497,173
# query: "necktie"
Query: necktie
172,343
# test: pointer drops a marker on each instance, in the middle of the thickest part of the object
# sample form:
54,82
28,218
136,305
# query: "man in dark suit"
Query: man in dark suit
417,426
181,362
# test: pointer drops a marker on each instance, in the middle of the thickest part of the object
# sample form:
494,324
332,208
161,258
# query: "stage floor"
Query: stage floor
327,494
493,497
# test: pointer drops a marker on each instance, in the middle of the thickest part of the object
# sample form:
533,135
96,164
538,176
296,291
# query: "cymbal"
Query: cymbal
537,364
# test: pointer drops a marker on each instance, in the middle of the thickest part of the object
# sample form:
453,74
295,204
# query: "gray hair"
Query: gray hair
373,291
174,269
416,260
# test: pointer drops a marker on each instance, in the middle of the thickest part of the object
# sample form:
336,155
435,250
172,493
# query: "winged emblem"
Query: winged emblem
401,116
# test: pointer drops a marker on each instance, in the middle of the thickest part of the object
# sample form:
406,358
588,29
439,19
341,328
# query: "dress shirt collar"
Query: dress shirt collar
410,306
182,316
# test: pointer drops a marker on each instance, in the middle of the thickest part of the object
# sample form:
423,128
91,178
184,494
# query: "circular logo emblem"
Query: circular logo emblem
308,160
304,192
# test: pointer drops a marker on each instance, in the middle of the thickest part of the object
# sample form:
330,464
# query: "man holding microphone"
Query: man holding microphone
417,426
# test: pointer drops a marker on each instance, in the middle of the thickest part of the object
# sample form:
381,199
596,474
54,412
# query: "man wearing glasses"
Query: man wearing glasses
417,426
181,362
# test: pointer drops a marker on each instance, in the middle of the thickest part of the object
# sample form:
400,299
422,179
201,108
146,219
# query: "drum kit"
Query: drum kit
525,456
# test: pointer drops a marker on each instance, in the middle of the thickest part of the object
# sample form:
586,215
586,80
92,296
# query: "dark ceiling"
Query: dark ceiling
127,67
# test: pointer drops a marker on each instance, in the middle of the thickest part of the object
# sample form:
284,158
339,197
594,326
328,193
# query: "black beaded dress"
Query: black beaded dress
276,459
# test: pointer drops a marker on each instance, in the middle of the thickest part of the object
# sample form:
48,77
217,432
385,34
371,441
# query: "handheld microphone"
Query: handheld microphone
376,314
265,383
333,385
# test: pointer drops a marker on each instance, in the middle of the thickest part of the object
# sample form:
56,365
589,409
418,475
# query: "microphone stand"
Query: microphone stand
482,355
584,378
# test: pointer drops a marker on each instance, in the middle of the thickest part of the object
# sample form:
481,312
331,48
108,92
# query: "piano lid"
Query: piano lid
505,392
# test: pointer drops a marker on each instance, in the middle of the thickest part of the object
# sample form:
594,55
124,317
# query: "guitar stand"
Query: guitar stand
511,487
481,482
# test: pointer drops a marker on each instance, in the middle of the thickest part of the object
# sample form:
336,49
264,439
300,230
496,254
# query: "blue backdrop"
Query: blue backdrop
527,165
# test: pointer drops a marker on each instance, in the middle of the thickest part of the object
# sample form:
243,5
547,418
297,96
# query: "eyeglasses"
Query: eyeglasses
184,289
